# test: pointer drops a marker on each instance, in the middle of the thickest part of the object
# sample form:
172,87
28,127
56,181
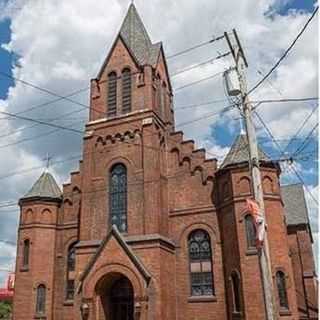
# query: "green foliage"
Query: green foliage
5,310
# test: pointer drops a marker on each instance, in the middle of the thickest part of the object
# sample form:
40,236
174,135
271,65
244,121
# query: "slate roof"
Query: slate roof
239,152
294,204
136,38
45,187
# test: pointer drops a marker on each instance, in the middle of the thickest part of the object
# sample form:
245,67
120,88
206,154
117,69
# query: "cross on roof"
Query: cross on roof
48,159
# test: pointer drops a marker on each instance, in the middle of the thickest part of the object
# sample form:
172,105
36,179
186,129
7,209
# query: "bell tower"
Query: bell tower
130,117
134,76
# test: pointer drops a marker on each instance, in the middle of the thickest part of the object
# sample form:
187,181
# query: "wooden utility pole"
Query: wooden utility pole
264,257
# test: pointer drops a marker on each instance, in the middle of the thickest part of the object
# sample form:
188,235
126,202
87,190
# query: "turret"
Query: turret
242,269
39,209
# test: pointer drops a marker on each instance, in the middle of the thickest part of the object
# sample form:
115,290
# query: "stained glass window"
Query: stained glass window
41,299
126,90
118,197
26,253
282,290
112,94
71,263
200,263
250,232
236,292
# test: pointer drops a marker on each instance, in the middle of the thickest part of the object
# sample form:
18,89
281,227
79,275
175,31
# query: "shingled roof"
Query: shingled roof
294,204
239,152
45,187
136,38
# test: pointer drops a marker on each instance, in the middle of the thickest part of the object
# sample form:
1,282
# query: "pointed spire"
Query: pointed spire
45,187
136,38
239,152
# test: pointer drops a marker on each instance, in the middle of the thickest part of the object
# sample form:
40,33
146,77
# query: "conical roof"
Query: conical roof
45,187
136,38
239,152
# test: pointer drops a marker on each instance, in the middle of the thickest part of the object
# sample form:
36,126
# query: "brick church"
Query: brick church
148,228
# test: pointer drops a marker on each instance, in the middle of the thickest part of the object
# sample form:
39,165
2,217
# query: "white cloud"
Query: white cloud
61,45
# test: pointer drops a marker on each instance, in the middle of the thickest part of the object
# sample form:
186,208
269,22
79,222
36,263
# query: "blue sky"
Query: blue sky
6,59
86,60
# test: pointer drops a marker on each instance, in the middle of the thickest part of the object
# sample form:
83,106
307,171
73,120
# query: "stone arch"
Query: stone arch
106,272
244,185
267,184
182,239
46,211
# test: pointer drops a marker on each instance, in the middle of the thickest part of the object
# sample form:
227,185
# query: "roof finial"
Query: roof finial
47,159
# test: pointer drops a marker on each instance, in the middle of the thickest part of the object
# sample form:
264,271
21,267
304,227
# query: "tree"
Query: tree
5,310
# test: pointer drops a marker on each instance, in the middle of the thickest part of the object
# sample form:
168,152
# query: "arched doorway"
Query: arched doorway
117,297
121,300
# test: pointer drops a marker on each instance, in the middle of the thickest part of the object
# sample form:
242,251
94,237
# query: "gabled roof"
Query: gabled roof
294,204
117,235
45,187
239,152
136,39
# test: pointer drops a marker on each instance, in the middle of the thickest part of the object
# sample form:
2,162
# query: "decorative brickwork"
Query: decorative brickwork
158,267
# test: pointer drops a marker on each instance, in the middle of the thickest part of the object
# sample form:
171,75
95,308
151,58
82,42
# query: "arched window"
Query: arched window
118,197
126,90
282,290
26,253
71,263
236,295
200,259
112,94
41,299
250,232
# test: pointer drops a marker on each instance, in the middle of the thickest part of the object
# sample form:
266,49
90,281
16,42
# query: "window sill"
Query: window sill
236,315
202,299
40,316
24,269
68,303
285,312
251,252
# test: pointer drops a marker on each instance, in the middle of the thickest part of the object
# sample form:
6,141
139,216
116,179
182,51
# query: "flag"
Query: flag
258,219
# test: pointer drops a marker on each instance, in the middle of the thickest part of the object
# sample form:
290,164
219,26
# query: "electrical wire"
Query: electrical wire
194,47
285,53
281,151
306,141
300,128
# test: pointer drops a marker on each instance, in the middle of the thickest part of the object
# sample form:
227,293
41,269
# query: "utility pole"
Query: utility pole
264,257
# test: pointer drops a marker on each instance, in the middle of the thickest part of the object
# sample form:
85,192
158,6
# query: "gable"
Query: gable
119,56
114,250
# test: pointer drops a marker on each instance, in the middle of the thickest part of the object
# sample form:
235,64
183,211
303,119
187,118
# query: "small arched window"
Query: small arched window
26,253
250,232
118,197
71,263
282,290
41,299
200,258
126,90
236,294
112,94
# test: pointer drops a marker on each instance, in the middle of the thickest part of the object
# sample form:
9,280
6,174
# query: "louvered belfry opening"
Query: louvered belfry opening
112,94
126,90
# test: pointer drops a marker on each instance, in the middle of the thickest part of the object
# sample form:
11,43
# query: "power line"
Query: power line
285,53
200,64
195,47
305,142
301,127
198,81
281,151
